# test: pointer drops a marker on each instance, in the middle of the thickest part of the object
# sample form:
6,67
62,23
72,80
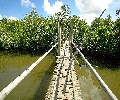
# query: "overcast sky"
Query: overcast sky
86,9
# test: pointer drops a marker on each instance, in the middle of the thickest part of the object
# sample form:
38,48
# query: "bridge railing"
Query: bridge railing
14,83
102,83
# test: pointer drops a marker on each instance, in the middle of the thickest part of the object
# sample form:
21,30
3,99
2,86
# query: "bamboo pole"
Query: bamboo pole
102,83
71,35
59,38
14,83
71,38
62,35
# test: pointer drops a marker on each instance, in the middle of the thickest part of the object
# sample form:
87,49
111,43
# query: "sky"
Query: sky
86,9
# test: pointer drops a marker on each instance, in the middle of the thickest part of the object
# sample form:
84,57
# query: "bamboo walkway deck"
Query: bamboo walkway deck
64,84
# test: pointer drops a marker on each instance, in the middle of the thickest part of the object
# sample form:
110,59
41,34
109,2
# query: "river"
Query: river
90,87
35,85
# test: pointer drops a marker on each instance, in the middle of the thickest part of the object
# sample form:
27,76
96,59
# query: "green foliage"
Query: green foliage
117,12
80,29
32,33
65,10
104,36
37,33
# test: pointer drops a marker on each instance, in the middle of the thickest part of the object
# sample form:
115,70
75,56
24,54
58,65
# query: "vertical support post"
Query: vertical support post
64,36
59,38
71,38
61,28
60,34
71,35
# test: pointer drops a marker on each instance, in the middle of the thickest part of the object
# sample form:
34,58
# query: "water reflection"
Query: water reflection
8,76
13,65
90,88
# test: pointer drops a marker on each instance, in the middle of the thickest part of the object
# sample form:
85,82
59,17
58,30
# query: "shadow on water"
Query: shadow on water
44,84
107,60
42,89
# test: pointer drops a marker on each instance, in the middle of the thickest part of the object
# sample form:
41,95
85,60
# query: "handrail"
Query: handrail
14,83
105,87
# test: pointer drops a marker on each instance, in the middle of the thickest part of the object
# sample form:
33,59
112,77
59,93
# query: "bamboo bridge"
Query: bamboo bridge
64,84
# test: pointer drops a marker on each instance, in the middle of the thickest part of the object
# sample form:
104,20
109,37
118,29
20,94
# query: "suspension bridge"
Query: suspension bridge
64,84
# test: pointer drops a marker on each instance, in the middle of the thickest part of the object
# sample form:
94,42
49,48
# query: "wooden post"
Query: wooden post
63,32
71,38
60,35
59,38
61,28
71,30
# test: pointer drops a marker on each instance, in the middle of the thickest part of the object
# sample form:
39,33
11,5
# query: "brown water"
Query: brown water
35,85
90,87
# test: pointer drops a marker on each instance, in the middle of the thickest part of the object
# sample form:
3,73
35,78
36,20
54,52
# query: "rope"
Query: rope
14,83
